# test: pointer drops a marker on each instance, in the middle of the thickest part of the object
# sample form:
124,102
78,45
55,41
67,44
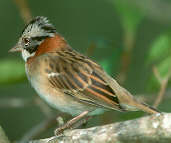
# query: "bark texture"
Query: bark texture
149,129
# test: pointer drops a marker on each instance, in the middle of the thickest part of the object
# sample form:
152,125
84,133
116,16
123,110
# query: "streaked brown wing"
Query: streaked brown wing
77,76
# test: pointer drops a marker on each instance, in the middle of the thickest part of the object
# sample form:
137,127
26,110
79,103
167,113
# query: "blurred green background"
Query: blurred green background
127,37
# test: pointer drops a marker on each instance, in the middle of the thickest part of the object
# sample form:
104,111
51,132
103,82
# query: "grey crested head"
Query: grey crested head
34,33
39,26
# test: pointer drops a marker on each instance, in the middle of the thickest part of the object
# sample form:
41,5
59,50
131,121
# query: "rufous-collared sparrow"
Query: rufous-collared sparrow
66,79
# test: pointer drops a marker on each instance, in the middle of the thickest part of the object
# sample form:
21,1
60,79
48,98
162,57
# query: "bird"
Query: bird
68,80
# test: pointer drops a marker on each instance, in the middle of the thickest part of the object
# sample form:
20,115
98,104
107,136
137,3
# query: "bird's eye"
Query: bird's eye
26,41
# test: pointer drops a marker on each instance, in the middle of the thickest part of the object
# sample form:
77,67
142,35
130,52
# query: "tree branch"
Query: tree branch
163,85
24,10
149,129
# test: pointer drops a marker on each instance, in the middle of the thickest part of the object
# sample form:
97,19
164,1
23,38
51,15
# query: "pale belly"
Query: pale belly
61,101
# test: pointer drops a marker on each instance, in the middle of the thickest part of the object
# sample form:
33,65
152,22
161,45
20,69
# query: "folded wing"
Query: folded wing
77,76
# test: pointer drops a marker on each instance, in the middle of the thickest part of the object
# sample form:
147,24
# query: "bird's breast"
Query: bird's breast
54,96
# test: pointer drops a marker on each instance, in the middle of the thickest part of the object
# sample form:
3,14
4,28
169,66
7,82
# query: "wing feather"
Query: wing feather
77,77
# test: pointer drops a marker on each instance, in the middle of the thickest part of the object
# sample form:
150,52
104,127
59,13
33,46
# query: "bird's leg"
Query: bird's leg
81,122
73,123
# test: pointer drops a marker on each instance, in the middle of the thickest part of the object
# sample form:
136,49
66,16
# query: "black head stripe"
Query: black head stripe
32,49
39,38
49,29
38,18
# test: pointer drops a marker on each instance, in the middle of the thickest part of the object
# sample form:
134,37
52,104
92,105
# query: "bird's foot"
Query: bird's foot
73,123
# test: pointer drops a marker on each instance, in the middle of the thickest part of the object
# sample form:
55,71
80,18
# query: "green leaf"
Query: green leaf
163,69
160,49
106,66
11,71
160,56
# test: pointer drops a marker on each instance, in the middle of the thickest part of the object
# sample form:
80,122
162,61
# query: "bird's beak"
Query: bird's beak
15,49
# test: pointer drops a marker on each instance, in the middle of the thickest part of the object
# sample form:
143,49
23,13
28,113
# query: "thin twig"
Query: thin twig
60,121
129,41
163,85
157,75
24,10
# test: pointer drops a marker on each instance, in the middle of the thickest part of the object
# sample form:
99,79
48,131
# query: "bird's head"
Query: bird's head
34,33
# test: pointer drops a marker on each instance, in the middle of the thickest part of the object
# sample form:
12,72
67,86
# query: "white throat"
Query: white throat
26,55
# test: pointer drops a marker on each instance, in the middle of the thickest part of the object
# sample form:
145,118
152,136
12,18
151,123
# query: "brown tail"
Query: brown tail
127,101
147,108
140,106
131,104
